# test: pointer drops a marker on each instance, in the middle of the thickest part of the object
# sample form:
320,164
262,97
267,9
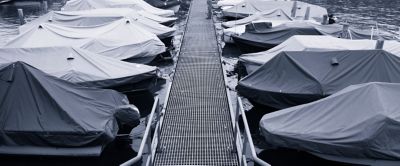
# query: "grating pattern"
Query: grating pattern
197,129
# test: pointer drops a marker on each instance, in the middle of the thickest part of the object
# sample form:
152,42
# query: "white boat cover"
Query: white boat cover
120,40
361,121
313,43
271,15
74,5
223,3
240,29
156,18
260,37
250,7
79,66
99,17
43,115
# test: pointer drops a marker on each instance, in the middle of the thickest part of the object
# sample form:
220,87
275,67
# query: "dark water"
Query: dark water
360,13
9,21
365,13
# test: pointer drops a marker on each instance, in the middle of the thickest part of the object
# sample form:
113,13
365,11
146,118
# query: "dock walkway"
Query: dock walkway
197,126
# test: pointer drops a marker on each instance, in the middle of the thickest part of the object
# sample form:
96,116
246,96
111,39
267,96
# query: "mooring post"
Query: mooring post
294,9
399,33
307,16
45,6
21,16
324,19
346,27
379,44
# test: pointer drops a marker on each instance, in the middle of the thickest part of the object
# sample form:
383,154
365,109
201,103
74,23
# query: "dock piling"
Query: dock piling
324,19
379,44
294,9
307,15
21,16
45,6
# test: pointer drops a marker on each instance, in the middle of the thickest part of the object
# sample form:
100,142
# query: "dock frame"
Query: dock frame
197,125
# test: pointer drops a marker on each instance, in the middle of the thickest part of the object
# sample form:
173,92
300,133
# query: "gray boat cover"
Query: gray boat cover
264,37
43,115
79,66
73,5
313,43
120,39
293,78
360,122
100,17
249,7
275,14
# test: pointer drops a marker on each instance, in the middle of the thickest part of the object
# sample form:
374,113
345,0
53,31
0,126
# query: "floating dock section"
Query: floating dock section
197,128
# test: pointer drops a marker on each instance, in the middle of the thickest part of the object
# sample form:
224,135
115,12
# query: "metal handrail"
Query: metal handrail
154,144
146,137
247,137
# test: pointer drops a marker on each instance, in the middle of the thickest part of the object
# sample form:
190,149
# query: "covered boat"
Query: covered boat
100,17
271,15
137,5
313,43
274,18
359,124
262,38
163,4
120,39
228,3
80,66
43,115
293,78
250,7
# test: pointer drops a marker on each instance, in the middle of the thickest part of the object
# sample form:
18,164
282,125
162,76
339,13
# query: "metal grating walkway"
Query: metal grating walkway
197,125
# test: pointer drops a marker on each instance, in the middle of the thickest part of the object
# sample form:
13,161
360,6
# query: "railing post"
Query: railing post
158,138
149,141
244,145
247,137
146,138
237,113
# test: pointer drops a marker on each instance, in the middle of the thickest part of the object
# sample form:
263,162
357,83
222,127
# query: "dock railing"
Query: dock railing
247,141
147,137
149,140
